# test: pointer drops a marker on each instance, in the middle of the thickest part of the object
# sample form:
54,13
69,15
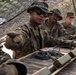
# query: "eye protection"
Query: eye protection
39,12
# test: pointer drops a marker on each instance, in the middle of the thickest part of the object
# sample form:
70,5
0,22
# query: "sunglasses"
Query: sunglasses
39,12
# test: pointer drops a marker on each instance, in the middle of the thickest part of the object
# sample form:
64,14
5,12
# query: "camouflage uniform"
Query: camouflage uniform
56,30
70,29
35,40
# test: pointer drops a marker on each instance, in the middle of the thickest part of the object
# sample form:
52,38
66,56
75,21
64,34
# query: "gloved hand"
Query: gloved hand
14,40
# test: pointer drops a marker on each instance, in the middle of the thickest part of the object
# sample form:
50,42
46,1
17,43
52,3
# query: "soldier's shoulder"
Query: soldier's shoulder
24,26
73,26
60,24
42,25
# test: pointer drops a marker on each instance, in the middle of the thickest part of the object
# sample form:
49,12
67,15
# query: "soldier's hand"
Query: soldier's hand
74,43
19,40
12,34
72,36
14,40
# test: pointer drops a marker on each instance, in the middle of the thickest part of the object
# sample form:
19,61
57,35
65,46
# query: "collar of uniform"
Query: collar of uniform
50,27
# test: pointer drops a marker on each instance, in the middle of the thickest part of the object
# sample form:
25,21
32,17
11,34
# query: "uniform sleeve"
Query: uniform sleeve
62,32
52,41
17,38
23,30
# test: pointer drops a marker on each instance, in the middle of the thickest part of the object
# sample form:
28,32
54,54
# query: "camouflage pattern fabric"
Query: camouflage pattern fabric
70,30
57,30
34,40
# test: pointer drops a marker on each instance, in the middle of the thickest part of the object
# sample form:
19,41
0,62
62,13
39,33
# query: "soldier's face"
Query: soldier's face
53,17
38,16
69,20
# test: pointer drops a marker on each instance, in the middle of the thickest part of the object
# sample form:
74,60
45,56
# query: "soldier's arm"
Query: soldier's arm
73,36
16,39
60,42
62,32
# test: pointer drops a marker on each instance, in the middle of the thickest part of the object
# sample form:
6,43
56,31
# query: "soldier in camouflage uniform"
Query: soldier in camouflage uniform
70,29
29,37
52,26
